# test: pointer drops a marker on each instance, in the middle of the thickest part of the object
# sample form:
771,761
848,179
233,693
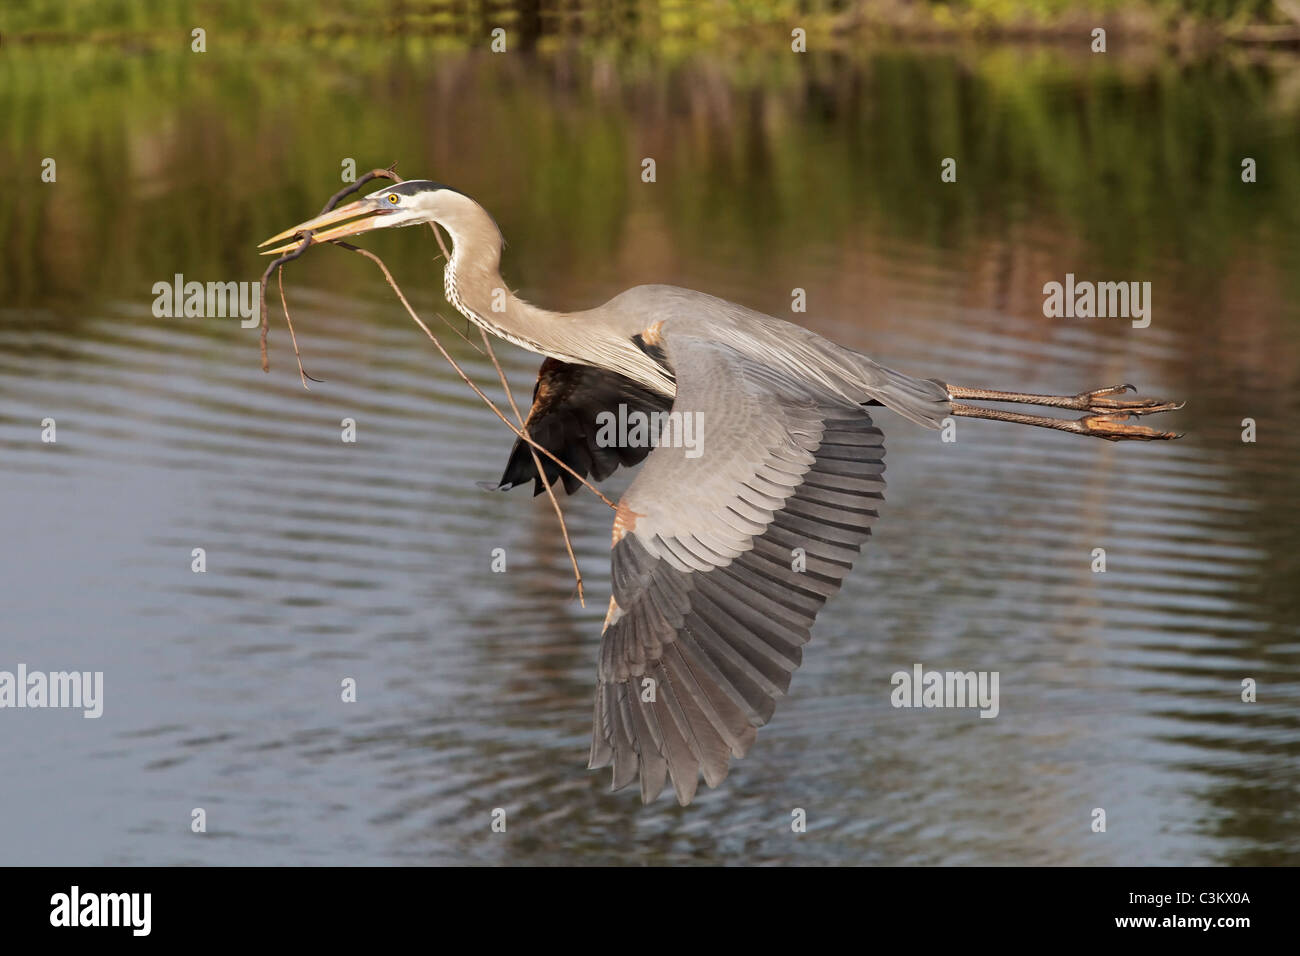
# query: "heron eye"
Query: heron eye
392,198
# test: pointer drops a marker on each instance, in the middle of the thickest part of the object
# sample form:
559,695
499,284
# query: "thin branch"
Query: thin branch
346,191
520,431
461,372
437,234
261,292
302,248
537,462
302,372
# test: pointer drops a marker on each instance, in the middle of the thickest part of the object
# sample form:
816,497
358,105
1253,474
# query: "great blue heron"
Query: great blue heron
720,560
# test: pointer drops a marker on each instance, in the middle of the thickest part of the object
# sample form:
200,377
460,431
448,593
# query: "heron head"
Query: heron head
411,203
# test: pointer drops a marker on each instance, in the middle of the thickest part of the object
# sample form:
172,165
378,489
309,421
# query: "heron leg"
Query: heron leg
1112,426
1099,401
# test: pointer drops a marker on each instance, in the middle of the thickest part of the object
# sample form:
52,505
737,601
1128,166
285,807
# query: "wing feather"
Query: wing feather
721,565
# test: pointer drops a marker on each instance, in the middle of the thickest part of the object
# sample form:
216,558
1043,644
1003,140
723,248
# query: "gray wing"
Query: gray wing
710,609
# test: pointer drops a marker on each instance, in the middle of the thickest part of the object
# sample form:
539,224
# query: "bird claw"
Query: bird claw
1108,390
1114,427
1099,402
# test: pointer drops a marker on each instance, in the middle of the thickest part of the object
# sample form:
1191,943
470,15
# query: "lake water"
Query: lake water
328,560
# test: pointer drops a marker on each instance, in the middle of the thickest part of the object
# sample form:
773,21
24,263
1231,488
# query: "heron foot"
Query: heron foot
1114,426
1099,402
1107,414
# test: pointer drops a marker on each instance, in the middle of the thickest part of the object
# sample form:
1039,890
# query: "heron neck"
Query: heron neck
475,288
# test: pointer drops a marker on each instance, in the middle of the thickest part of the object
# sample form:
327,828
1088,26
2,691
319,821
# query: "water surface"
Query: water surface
371,560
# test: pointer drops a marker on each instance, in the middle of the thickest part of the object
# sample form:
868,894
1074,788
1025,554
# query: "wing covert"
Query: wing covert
721,563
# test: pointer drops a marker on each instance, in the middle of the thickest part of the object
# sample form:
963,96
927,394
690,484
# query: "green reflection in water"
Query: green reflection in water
167,157
175,162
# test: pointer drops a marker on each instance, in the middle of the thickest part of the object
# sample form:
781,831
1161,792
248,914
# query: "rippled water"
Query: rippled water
371,560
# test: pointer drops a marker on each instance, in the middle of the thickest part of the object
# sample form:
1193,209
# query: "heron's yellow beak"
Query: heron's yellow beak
371,209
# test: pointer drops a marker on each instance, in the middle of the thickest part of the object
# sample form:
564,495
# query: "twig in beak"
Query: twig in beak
302,372
290,256
537,462
303,247
465,377
519,430
523,432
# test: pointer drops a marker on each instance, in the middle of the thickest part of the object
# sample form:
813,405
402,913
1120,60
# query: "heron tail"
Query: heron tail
921,400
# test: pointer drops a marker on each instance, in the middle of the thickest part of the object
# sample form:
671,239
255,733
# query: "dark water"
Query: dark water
371,560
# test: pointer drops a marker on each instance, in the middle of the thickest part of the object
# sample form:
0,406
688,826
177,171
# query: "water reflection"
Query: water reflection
370,561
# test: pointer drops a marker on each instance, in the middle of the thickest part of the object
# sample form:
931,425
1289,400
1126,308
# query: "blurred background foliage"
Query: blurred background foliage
167,156
642,19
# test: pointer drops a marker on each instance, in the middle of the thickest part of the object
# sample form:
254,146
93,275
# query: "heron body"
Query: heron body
721,560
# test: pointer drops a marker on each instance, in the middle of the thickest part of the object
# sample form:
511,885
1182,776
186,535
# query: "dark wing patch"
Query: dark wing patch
720,645
566,401
653,348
